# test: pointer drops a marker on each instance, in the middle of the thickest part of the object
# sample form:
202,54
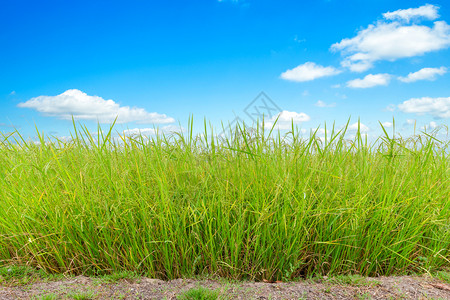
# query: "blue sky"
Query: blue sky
155,63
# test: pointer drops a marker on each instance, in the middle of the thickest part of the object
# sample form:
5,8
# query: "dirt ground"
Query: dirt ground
80,287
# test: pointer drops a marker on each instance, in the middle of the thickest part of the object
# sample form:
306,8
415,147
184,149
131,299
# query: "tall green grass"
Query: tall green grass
255,204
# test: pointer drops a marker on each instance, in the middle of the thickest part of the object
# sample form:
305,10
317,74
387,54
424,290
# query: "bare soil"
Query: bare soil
404,287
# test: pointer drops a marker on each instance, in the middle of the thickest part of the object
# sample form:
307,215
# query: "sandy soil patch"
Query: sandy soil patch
404,287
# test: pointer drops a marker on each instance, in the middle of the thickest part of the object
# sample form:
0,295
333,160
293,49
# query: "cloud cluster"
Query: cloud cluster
398,35
394,38
424,74
372,80
84,107
437,107
308,71
285,120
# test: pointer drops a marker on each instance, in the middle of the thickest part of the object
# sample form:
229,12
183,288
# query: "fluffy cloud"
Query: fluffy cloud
320,103
285,120
369,81
428,11
391,40
438,107
308,71
387,124
84,107
424,74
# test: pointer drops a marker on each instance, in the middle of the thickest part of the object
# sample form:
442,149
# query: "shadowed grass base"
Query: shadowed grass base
255,205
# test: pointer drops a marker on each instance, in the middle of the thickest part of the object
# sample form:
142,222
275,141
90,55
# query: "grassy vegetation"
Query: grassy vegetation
443,276
115,277
11,275
253,205
353,280
82,295
200,293
50,296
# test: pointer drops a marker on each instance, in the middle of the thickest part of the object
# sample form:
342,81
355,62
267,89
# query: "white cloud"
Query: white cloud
336,86
438,107
298,40
308,71
285,120
428,11
8,125
173,128
343,96
432,125
352,130
362,127
139,131
320,103
391,40
359,66
84,107
369,81
437,129
424,74
12,93
387,124
390,107
410,121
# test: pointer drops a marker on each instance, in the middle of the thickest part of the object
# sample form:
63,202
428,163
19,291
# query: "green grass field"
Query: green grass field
256,205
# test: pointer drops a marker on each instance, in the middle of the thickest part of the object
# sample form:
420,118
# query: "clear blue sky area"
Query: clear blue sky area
155,63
